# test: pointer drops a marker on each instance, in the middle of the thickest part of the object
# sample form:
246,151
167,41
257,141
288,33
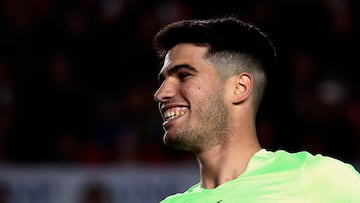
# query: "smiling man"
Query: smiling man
190,105
213,78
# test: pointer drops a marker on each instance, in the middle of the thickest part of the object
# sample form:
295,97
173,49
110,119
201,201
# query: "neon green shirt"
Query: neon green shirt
283,177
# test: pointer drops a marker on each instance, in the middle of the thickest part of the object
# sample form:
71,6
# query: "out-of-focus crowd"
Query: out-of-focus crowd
77,78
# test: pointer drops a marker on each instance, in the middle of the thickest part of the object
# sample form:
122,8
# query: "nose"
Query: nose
165,91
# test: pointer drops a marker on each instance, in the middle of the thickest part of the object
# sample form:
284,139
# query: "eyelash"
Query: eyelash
183,75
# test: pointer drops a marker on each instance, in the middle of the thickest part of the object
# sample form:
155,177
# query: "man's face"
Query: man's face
191,99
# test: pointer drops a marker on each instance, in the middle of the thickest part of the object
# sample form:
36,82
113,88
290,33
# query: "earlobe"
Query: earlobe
243,87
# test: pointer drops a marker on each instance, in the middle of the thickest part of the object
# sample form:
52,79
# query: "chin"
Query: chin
170,142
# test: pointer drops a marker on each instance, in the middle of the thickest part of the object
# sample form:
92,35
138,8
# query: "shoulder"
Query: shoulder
328,167
313,163
322,177
318,166
331,177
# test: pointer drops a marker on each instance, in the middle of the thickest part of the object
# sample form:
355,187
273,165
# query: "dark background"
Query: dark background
77,78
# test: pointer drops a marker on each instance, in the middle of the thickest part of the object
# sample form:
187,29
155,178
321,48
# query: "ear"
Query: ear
243,87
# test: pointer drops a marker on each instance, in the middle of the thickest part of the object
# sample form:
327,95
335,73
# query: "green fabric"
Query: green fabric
283,177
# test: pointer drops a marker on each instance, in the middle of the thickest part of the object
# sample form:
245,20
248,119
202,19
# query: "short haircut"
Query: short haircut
232,44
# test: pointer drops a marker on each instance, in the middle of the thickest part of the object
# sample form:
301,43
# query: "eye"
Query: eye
183,75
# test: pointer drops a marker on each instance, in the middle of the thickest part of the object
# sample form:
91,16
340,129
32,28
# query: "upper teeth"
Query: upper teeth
173,113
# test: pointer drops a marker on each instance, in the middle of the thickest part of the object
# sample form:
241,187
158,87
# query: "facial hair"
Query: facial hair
209,130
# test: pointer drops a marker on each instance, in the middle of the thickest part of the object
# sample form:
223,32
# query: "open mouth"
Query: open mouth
175,112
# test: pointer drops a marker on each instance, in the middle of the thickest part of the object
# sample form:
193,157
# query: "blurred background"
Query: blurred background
77,79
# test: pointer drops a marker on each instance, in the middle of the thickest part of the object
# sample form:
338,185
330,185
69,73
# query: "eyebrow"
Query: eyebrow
175,69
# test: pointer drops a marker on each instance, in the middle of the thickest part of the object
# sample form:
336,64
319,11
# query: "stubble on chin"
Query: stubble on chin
210,130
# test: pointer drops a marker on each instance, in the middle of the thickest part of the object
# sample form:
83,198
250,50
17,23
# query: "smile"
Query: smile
175,112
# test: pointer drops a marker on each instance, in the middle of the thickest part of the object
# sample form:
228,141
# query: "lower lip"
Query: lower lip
167,124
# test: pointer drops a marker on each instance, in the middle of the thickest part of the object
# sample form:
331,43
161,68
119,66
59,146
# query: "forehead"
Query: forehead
185,53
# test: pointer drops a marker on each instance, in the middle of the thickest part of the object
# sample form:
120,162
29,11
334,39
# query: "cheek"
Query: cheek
189,90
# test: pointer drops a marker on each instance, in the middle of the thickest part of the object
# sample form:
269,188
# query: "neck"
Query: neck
225,162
